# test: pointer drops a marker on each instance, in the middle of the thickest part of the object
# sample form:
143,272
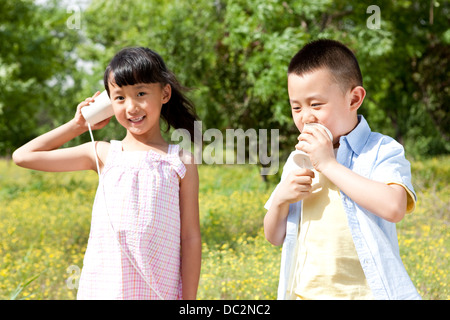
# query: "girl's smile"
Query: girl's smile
138,107
138,120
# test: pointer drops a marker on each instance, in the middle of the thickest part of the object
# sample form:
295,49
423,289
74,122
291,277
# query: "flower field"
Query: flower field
45,219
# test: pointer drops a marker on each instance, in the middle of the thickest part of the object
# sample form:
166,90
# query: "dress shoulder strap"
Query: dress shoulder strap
114,149
174,149
174,158
116,146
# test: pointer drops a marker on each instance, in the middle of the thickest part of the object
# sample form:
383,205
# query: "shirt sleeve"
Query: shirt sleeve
393,168
410,197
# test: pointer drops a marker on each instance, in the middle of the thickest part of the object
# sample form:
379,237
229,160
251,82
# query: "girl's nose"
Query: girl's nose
132,106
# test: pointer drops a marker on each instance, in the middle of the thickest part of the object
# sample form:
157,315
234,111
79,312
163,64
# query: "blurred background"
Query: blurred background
233,54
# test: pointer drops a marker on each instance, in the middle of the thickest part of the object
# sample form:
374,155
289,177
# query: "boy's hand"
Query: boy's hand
317,144
296,186
79,119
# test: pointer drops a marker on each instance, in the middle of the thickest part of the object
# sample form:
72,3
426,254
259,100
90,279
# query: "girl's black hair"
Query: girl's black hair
142,65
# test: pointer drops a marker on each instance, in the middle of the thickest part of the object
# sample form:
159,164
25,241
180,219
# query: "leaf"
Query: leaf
21,287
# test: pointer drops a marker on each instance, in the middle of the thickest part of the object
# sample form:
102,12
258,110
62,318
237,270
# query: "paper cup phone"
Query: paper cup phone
99,110
300,158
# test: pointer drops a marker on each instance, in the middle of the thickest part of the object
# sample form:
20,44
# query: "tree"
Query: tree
410,38
234,54
35,64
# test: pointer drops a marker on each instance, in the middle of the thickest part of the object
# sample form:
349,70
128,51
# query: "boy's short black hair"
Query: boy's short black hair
330,54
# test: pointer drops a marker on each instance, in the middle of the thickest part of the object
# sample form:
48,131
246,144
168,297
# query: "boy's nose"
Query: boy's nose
307,116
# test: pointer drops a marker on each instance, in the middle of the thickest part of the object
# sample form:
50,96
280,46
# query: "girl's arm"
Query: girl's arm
43,153
191,245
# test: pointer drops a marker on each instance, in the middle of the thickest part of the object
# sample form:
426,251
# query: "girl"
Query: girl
144,241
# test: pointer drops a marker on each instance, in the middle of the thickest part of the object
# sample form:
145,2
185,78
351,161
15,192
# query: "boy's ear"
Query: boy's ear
357,96
166,93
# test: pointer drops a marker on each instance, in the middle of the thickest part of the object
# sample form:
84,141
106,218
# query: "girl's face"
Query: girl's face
138,107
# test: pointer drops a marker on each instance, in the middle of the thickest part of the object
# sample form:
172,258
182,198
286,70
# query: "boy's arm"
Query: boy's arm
191,246
296,187
42,153
388,201
275,222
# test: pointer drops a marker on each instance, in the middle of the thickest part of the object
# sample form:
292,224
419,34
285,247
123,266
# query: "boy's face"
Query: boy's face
315,97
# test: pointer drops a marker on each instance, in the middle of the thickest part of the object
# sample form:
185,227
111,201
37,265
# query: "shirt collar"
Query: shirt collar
357,138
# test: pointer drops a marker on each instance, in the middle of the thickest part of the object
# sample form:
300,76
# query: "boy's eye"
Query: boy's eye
140,94
316,104
119,98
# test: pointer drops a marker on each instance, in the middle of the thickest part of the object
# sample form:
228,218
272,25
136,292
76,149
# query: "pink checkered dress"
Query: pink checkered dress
142,196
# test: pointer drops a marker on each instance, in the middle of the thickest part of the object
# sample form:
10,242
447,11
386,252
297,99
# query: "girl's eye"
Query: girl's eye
315,105
120,98
140,94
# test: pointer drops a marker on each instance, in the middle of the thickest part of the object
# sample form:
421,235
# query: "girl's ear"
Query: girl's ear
357,97
166,93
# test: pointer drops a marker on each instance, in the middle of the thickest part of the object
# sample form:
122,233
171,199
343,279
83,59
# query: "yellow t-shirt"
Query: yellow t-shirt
327,265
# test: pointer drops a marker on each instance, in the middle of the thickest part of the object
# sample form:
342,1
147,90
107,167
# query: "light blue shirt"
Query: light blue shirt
380,158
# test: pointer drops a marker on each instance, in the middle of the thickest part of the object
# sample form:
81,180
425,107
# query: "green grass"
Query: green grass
45,219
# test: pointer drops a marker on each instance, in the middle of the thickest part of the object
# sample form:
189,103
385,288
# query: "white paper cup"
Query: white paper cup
300,158
98,110
319,125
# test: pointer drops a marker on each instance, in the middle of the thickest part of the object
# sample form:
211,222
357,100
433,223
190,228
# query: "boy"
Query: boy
337,221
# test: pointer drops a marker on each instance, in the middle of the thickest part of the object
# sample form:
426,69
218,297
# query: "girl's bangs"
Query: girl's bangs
126,75
131,68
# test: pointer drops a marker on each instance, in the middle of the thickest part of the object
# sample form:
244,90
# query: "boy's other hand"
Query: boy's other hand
296,186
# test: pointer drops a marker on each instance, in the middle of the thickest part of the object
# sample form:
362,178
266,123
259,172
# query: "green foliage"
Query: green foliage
45,221
234,54
424,235
235,194
35,65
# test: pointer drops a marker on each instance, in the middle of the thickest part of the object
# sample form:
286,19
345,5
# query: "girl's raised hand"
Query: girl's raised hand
79,119
44,153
